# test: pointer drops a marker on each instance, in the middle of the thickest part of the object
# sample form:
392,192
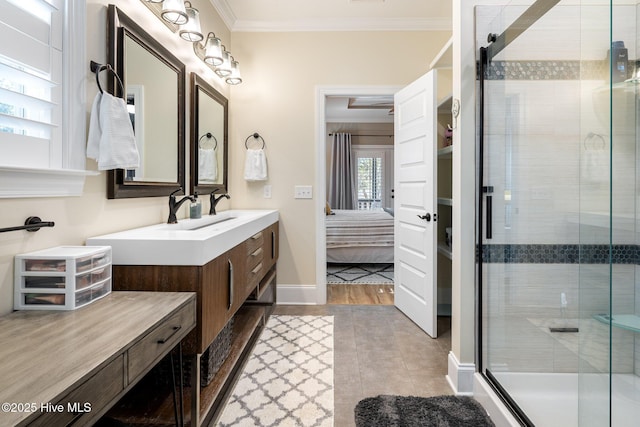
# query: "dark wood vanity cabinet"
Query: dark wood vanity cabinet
240,283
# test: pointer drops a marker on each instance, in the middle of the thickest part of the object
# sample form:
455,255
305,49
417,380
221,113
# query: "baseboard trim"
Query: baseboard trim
460,376
498,412
297,294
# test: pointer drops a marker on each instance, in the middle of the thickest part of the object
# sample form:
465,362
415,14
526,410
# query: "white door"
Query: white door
415,202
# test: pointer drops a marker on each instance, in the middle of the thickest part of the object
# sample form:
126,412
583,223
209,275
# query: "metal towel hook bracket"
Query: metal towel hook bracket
256,136
97,68
208,135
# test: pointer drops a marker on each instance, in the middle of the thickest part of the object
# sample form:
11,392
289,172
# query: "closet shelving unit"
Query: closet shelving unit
443,64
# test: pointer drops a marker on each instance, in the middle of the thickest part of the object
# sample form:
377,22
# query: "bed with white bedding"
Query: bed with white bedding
359,236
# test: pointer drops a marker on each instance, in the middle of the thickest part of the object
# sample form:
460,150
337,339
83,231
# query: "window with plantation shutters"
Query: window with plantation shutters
370,180
374,176
42,104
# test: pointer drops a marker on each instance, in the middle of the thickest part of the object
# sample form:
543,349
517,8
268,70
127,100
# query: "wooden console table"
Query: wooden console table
63,367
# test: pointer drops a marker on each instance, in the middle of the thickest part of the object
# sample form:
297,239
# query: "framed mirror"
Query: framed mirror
209,135
154,81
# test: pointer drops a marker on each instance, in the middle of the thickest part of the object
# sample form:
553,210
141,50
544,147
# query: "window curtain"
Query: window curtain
342,193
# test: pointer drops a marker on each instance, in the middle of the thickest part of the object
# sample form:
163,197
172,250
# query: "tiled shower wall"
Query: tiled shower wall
548,133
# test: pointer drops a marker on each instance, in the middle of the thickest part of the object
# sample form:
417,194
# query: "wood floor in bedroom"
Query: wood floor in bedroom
360,294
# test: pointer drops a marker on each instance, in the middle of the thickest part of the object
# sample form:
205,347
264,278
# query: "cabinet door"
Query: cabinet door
215,298
237,263
272,242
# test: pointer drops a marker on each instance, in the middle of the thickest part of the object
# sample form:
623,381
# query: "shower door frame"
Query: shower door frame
497,43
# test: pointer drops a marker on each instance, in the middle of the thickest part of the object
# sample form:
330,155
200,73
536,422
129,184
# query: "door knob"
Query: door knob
426,217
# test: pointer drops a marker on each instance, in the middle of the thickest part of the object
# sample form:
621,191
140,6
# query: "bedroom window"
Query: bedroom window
374,180
370,181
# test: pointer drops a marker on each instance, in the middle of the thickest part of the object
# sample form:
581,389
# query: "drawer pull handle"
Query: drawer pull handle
256,236
175,330
257,269
257,252
273,245
230,285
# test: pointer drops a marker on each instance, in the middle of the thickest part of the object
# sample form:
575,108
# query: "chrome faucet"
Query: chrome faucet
175,205
213,200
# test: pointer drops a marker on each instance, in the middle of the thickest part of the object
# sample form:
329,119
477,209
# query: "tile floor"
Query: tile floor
378,350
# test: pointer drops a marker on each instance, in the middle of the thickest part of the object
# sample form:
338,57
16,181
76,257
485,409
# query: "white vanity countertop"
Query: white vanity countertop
189,242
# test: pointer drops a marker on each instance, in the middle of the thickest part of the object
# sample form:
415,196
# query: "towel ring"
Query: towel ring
256,136
208,135
97,68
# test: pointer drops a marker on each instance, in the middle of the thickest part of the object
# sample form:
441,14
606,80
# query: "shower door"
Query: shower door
556,204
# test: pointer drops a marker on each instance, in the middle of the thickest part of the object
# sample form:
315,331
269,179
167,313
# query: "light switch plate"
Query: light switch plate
266,191
303,192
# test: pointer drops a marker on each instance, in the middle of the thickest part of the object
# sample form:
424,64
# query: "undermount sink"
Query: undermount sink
189,242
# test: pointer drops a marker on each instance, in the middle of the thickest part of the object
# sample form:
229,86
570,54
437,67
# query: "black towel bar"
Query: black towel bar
33,223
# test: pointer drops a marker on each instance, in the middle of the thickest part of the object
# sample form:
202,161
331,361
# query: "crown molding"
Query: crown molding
345,24
341,24
225,12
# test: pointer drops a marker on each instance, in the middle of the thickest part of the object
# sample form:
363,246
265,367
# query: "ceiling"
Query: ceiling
335,15
339,15
361,109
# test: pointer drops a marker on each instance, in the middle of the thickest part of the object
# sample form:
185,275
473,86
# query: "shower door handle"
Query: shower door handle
488,190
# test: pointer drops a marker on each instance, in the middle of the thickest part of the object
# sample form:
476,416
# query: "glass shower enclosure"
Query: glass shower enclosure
558,277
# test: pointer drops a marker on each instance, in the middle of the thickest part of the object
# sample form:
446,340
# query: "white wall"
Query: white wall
282,71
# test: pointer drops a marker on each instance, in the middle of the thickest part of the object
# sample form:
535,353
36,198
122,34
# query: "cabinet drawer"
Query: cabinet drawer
255,258
145,353
82,405
254,275
254,242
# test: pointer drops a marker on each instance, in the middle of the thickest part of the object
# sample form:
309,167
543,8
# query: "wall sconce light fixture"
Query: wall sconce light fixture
224,69
191,31
211,52
174,11
234,78
181,16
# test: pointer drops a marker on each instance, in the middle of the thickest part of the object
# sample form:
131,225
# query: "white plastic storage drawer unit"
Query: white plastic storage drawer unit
62,278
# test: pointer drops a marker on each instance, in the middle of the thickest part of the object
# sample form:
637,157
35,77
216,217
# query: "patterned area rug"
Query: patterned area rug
371,274
288,379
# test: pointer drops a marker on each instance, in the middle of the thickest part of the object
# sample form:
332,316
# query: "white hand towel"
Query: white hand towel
111,126
255,165
93,140
207,165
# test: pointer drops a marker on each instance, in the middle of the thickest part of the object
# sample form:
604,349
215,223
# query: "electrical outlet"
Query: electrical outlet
303,192
266,191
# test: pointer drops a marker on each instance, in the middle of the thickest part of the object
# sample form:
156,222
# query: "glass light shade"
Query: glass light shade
224,70
213,50
234,78
173,11
191,31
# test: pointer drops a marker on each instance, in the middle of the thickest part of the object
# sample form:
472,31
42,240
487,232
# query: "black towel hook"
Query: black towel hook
256,135
97,68
208,135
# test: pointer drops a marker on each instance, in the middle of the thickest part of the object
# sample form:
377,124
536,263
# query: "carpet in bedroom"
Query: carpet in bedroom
370,274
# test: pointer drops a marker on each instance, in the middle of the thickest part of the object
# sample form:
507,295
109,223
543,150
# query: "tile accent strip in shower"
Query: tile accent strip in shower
560,254
547,70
